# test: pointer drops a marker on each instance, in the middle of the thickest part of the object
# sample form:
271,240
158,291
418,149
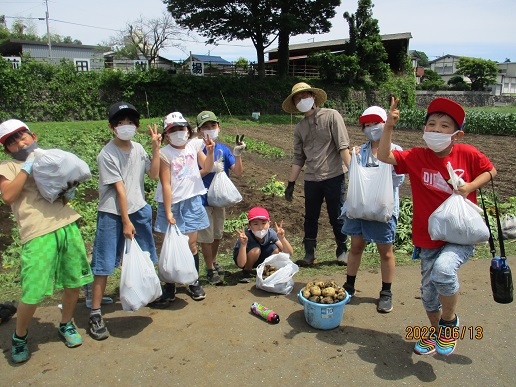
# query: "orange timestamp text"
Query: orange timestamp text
416,332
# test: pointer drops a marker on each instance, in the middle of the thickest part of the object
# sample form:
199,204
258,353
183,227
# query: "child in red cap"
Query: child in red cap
427,168
258,241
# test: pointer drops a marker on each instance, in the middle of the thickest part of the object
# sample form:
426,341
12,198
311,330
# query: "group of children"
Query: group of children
53,253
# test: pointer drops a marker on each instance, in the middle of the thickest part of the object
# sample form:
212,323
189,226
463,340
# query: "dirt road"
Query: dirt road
218,342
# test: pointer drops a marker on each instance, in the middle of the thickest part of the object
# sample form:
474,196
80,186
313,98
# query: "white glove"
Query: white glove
218,166
240,146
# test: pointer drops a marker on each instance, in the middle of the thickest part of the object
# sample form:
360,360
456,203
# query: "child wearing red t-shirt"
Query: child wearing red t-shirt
427,168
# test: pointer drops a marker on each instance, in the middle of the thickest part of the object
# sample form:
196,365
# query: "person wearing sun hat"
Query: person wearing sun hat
258,241
321,145
53,255
362,231
428,172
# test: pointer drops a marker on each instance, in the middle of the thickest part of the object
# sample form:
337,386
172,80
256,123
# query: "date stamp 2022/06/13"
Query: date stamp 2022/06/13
416,332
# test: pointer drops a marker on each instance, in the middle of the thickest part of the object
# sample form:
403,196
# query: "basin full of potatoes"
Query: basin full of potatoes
323,292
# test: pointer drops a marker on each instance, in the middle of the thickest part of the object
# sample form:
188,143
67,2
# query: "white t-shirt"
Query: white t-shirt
185,176
129,167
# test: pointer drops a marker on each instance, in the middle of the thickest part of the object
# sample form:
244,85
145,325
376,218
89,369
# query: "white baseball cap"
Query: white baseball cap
9,127
373,114
174,119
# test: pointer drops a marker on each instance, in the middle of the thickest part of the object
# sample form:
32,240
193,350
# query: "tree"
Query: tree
481,72
431,81
366,45
422,58
301,17
147,37
458,83
236,20
335,67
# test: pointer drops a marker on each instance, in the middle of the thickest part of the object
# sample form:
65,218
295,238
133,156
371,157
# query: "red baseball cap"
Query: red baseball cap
448,107
258,213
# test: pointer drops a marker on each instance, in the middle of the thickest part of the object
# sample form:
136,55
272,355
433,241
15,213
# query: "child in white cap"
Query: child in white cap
53,253
363,231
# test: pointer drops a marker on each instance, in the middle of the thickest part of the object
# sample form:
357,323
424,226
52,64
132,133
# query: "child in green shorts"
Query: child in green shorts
53,253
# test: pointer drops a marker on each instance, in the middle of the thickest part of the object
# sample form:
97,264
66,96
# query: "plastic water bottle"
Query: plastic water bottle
501,281
265,313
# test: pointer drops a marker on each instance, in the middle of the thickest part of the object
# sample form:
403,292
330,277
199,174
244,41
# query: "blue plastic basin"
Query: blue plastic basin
323,316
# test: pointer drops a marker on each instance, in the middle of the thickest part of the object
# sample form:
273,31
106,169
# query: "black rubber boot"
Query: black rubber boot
309,259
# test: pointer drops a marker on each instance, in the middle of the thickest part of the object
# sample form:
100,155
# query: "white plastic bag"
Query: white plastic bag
222,191
56,171
176,262
280,281
370,193
457,220
139,283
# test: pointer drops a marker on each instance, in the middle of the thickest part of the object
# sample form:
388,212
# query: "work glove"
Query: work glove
289,191
69,194
218,166
27,165
239,146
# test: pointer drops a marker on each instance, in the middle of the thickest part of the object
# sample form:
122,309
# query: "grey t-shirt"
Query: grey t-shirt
117,165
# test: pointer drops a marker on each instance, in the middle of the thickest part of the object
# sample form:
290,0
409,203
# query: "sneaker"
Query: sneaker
342,254
246,277
196,291
20,350
98,329
213,277
446,338
385,302
87,289
425,346
349,289
160,303
219,269
69,334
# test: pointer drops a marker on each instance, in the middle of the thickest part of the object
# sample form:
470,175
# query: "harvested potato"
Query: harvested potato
320,284
315,290
306,293
326,300
328,292
315,298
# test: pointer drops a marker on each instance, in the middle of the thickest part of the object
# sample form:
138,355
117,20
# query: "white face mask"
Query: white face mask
125,132
305,105
178,138
260,234
213,133
438,141
374,133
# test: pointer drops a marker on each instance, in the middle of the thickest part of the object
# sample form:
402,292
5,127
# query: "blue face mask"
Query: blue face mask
23,153
374,133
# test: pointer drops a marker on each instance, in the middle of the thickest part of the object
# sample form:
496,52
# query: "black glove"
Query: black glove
289,191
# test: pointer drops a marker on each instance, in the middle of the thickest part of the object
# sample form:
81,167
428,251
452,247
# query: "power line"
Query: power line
84,25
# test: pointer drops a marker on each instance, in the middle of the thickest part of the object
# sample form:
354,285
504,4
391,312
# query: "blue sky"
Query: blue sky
481,29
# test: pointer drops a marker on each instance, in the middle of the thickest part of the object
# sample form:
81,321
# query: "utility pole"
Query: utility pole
48,33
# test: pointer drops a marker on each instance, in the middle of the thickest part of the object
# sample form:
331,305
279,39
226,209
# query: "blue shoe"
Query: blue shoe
69,334
425,346
20,350
447,338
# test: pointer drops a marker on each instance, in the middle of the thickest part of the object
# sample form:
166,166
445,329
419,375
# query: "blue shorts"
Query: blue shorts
189,214
370,230
109,242
265,251
439,272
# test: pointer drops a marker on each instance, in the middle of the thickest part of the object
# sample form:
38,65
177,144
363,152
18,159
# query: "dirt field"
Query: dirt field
218,342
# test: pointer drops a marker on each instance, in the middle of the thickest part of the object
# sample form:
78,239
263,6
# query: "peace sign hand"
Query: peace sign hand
279,230
210,145
394,114
242,237
239,146
155,136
